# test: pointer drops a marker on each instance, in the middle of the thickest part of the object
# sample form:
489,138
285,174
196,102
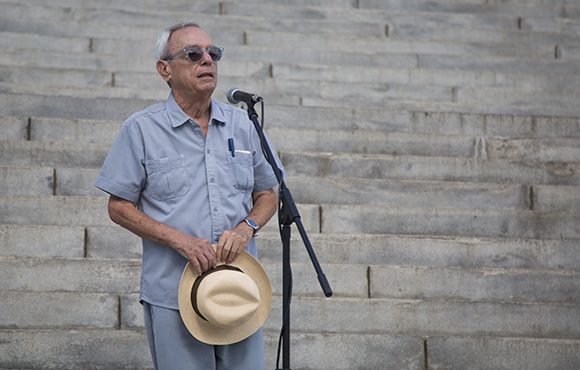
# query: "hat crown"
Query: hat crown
228,298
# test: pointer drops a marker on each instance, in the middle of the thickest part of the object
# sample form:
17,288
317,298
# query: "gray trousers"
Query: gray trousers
174,348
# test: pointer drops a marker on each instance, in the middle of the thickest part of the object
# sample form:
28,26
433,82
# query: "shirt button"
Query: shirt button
212,180
208,151
215,209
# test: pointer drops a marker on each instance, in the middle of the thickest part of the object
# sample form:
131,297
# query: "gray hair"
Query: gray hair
164,36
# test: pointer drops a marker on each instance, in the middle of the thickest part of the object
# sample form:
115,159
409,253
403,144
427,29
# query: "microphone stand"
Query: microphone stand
288,214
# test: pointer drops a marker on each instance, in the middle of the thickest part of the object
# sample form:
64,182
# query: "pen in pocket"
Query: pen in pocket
231,146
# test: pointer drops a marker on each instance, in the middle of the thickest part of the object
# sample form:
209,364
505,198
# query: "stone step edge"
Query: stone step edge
278,264
354,111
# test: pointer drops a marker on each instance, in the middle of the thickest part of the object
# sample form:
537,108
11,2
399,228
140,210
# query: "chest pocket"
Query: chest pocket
242,171
167,178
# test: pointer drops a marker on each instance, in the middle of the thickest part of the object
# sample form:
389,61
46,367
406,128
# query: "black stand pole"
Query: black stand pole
288,214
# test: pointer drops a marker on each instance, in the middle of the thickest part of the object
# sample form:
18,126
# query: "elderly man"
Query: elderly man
186,174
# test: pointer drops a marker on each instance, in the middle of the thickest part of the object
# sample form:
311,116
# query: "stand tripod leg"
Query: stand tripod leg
286,294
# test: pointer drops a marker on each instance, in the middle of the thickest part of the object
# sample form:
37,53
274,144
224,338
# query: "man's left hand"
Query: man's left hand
233,242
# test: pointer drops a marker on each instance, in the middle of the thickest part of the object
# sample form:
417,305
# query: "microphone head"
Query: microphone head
230,95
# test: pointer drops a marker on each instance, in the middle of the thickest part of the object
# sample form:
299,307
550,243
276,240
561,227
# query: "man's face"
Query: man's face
187,77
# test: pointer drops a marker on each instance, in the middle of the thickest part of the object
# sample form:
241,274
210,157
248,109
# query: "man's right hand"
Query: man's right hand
198,251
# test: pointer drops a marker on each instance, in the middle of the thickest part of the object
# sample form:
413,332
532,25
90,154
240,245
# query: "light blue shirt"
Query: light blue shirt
202,185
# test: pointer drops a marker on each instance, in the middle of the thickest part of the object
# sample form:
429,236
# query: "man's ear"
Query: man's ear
164,70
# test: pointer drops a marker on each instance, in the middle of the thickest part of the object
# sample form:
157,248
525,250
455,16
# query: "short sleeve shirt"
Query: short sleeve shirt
202,185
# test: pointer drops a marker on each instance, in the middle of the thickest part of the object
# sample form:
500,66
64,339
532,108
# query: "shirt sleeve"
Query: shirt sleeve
123,172
264,177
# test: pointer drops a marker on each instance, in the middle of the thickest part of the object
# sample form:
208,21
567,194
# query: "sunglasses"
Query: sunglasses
195,53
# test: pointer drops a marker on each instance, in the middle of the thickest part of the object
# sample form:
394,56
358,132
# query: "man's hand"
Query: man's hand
233,242
198,251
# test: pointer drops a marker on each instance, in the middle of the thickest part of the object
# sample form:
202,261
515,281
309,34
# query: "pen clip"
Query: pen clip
231,147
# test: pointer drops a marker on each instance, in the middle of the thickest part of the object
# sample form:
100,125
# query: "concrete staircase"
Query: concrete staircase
433,147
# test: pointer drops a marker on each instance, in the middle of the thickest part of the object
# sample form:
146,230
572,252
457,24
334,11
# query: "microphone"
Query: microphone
235,96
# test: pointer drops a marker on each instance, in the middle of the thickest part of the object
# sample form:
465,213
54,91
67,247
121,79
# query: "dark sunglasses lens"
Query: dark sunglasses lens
215,53
194,54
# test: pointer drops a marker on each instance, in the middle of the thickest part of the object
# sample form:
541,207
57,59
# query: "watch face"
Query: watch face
252,223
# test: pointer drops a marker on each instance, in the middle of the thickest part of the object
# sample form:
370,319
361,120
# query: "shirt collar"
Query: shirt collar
178,117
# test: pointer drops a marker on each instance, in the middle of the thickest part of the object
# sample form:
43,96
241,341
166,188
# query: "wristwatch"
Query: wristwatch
251,223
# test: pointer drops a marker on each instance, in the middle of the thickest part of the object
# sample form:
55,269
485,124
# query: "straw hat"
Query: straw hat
226,304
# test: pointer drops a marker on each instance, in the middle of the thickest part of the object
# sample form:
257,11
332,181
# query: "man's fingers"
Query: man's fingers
226,250
196,267
233,255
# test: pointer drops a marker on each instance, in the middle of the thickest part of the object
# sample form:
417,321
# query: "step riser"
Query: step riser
40,349
525,224
92,211
42,241
431,169
115,242
425,317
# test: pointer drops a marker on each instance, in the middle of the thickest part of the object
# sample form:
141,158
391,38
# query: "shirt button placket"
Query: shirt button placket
214,201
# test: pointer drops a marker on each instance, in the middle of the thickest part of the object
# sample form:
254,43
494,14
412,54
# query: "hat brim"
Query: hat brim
213,334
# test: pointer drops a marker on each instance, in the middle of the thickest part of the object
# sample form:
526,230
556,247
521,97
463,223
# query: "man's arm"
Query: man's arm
197,250
233,242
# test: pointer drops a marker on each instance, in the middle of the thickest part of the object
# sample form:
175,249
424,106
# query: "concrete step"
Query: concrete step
412,250
27,180
527,106
409,194
303,119
51,349
534,8
543,50
502,65
473,223
128,349
418,317
146,22
116,276
62,81
375,166
122,276
312,351
482,27
467,77
554,199
17,41
332,190
276,92
235,55
74,130
92,211
54,77
100,349
494,353
42,241
36,181
30,105
52,154
285,133
564,99
563,150
39,310
355,74
364,249
204,7
13,128
498,285
414,317
74,108
286,138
